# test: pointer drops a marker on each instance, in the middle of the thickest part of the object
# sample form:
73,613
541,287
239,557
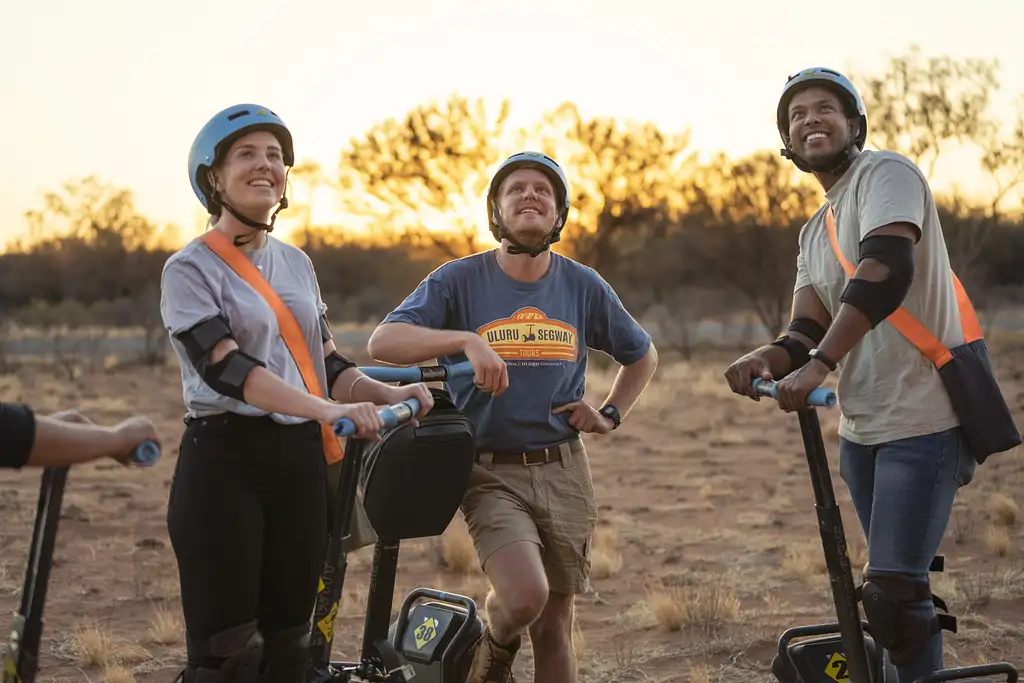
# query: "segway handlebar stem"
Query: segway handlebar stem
817,398
411,375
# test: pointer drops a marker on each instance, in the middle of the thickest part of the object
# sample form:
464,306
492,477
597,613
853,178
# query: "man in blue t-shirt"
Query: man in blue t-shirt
524,317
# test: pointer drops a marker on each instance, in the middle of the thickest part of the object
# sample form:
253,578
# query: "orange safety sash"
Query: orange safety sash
908,325
286,323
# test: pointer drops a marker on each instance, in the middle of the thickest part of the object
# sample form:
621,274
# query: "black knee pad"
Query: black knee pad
286,654
231,656
903,632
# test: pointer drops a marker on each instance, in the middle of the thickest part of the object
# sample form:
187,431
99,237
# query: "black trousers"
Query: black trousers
247,520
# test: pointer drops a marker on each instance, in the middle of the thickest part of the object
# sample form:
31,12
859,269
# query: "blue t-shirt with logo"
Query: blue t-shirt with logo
541,329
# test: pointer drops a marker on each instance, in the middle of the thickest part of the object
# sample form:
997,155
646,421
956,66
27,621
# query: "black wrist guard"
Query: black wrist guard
335,364
797,351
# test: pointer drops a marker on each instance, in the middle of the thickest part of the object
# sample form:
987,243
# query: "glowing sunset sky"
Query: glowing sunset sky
118,88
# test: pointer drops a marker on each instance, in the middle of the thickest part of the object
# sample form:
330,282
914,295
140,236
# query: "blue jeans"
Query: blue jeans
903,493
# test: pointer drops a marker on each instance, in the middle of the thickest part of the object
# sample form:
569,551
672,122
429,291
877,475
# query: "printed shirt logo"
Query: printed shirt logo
529,334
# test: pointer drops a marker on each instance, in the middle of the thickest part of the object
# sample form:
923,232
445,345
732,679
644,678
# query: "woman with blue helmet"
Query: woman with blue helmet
247,511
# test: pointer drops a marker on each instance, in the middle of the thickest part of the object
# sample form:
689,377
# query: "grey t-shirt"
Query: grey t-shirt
541,329
197,285
888,389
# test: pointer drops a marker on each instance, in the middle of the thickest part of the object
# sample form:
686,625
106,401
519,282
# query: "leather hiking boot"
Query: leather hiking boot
492,663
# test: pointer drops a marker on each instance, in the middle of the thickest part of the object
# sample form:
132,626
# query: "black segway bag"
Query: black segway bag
413,480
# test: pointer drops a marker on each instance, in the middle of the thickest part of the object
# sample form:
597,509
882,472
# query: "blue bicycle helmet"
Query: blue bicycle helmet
549,167
217,136
848,95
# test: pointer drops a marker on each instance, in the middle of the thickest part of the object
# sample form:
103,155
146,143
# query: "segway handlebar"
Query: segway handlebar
411,375
819,398
145,454
392,416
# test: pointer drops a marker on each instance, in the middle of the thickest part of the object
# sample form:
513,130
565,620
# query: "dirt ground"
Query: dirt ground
707,550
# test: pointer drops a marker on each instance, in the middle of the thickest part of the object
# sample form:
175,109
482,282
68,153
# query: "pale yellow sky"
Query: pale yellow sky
119,88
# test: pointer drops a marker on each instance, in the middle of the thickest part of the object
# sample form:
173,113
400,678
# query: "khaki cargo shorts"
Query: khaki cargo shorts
550,504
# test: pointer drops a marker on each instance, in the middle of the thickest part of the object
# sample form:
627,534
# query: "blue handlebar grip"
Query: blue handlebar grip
389,374
392,416
411,375
145,454
463,369
819,397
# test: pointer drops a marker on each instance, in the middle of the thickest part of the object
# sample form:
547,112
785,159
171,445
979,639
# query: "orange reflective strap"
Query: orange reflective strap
968,318
906,324
286,323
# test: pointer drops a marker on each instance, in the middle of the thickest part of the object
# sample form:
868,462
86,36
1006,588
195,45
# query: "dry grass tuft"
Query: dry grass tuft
458,554
700,674
805,561
117,673
95,647
997,540
1003,510
705,608
606,560
165,627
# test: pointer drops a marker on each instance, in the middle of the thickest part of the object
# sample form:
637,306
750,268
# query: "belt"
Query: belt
542,456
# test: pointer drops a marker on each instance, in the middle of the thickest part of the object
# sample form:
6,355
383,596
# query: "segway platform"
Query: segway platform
845,651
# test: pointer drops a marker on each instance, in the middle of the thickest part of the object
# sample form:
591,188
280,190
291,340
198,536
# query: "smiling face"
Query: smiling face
526,202
250,176
818,126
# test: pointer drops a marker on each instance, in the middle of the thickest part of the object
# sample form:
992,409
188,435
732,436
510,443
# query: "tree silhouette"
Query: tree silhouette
753,209
617,171
917,104
427,174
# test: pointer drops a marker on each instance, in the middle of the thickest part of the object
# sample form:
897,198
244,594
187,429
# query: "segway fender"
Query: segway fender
820,656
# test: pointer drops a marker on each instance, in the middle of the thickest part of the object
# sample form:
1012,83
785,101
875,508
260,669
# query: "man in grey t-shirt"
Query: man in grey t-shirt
524,318
902,450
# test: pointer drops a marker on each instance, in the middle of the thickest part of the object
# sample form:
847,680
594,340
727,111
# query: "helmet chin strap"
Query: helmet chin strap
245,220
255,225
517,247
836,165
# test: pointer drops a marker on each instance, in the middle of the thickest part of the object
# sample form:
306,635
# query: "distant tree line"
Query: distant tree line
673,234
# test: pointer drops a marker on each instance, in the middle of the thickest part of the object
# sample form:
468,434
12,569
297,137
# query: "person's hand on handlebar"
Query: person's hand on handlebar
128,434
791,391
490,371
364,415
742,373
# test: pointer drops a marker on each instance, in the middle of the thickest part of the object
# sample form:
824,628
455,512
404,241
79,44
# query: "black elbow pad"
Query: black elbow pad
335,364
200,339
17,434
228,375
878,300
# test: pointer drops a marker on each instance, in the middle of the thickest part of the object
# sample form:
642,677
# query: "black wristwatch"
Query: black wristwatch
612,413
817,354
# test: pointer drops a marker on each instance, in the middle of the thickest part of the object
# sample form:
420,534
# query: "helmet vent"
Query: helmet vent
232,117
